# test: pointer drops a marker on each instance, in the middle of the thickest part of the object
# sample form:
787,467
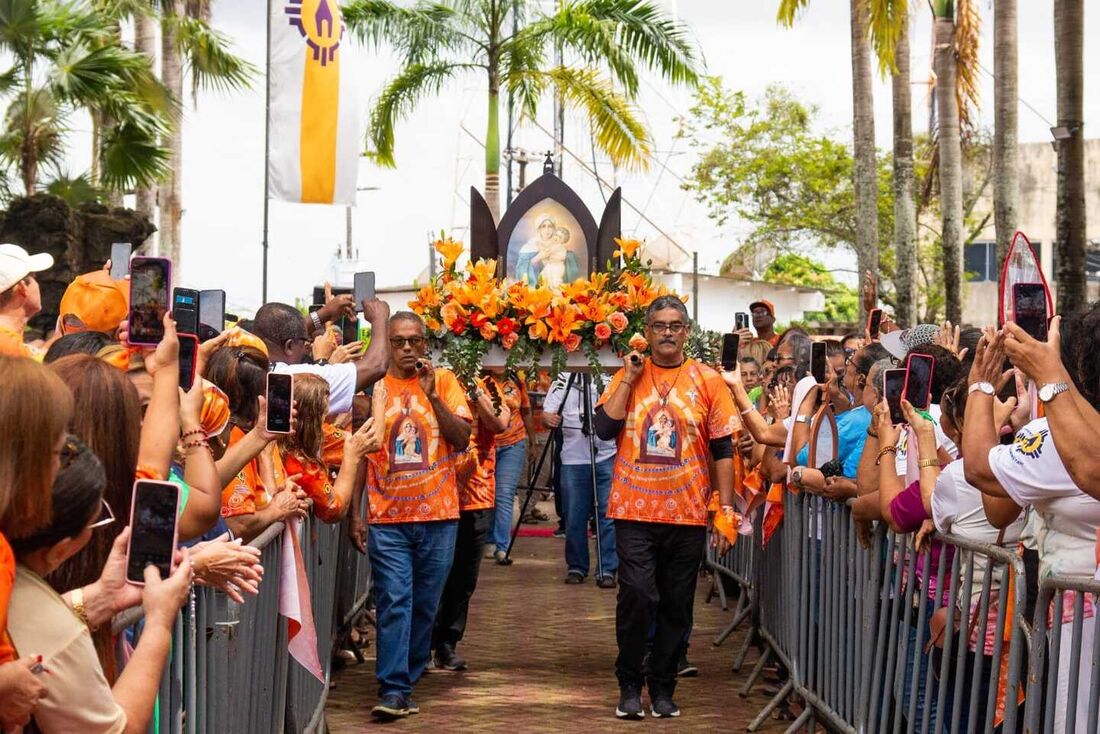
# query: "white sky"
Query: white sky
224,145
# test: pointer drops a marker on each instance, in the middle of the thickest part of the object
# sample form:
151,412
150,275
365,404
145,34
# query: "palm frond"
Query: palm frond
614,121
74,190
119,10
130,157
885,22
520,55
788,11
398,99
419,34
10,79
111,77
968,24
209,55
40,117
20,24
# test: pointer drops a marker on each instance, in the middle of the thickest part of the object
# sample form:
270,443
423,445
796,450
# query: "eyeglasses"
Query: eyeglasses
761,312
784,358
398,342
305,340
106,516
675,327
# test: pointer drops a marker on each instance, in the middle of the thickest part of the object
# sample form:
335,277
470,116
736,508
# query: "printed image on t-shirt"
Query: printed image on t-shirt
407,445
662,443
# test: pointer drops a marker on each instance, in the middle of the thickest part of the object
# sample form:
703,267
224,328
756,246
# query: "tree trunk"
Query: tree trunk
1006,174
145,41
492,148
905,212
170,207
950,148
1069,19
863,124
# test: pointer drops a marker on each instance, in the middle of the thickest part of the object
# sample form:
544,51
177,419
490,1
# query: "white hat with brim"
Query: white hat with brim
898,343
16,264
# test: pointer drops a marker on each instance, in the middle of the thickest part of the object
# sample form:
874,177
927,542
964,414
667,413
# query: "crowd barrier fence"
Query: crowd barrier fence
229,669
880,636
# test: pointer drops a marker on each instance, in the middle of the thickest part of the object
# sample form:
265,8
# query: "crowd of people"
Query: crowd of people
670,448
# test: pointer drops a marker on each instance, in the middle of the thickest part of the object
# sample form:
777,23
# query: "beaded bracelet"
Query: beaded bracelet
885,450
197,431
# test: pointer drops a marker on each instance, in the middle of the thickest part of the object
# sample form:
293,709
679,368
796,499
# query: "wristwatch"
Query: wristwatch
1048,391
316,320
804,419
985,388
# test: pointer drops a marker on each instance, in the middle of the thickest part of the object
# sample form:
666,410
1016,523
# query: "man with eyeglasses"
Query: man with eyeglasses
414,507
673,417
288,336
763,320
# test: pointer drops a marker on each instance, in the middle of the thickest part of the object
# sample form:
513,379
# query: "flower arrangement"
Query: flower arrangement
469,310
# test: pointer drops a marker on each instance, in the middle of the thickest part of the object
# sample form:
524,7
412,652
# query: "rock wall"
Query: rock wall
79,240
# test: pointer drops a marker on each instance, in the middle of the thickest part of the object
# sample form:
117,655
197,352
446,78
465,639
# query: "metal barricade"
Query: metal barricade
737,565
1063,689
229,668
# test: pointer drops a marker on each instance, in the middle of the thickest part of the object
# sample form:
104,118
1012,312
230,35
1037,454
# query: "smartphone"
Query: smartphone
120,260
154,510
280,398
731,343
893,385
188,359
150,287
363,290
1029,304
874,323
918,380
740,320
185,310
817,362
349,330
212,311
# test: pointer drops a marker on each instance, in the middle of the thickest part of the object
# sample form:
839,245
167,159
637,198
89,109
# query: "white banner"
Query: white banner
316,121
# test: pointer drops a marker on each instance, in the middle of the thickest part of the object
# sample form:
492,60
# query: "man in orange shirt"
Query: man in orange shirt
414,507
670,416
20,298
763,320
475,502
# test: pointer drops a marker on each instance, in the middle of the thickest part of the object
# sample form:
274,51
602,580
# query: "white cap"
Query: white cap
16,264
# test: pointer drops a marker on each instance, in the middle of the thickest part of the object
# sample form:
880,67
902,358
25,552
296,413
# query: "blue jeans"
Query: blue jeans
511,461
409,562
576,483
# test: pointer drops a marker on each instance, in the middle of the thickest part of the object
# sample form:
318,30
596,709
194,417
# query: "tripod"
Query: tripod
587,429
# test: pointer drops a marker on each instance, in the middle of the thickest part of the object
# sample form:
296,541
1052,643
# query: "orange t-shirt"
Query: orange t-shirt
661,472
315,482
517,400
477,490
7,581
412,477
11,345
332,446
246,494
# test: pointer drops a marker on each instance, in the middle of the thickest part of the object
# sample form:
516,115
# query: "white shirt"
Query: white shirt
1032,473
575,448
341,379
942,441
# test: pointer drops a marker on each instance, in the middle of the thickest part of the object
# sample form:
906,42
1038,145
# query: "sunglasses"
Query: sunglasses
106,516
398,342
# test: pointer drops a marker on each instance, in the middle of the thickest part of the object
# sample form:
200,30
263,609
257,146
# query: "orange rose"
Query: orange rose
618,321
572,342
638,343
509,340
603,332
488,331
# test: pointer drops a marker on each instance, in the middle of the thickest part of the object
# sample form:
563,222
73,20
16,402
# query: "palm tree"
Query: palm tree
950,154
865,176
68,58
145,39
437,41
1006,176
1069,36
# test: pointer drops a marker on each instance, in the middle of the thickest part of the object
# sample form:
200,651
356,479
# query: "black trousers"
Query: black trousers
658,568
474,527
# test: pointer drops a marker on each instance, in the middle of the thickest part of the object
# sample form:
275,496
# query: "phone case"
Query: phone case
194,361
267,391
167,293
931,372
175,526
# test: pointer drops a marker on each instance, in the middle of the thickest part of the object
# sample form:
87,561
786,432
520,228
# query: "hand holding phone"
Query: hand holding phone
185,310
154,513
817,362
212,312
893,386
918,380
1029,308
363,289
150,287
120,260
731,343
874,323
188,360
741,320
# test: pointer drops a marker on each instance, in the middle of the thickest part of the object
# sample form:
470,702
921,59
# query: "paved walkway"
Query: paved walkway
541,658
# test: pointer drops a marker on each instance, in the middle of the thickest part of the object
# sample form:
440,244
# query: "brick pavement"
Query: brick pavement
541,658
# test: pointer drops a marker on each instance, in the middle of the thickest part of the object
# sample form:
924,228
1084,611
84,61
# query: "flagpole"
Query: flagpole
267,146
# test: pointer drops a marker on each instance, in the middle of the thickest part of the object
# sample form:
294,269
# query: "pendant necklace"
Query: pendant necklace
663,396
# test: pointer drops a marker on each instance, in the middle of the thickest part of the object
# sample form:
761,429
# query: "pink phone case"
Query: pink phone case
931,372
136,261
175,526
267,392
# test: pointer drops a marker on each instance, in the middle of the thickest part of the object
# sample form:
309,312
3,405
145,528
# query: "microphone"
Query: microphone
635,359
419,366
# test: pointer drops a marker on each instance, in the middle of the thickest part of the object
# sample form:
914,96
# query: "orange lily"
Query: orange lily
563,321
627,247
449,250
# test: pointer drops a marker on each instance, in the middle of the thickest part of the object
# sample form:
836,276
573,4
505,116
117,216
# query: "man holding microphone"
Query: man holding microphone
671,416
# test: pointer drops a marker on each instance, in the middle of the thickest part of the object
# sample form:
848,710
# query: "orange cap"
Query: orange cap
98,302
215,409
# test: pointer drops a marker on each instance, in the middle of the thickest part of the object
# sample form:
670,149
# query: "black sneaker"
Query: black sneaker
413,707
559,533
664,708
630,704
685,669
391,706
447,659
606,582
574,577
